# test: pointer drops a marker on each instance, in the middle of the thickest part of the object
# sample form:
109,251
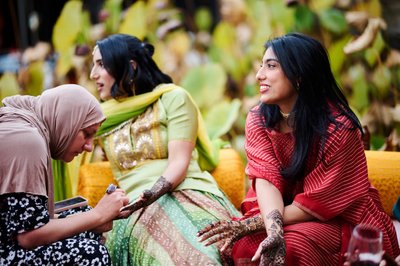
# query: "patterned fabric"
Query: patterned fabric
165,232
21,212
336,190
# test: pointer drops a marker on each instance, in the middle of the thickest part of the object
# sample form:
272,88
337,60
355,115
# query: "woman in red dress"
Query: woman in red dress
307,165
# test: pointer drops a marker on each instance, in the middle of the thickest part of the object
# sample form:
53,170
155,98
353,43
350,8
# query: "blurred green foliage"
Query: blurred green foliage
217,66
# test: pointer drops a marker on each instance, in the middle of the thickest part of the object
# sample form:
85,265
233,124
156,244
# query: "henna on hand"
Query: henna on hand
161,187
226,233
273,247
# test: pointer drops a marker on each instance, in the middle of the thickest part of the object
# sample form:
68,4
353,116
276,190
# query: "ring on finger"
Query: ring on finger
111,188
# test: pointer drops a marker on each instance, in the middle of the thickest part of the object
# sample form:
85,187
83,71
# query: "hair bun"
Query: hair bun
148,48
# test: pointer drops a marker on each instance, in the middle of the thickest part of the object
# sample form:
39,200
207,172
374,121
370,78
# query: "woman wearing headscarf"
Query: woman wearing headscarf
158,149
307,164
58,124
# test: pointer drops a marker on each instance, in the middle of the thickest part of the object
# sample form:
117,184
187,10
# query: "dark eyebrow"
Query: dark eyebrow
272,59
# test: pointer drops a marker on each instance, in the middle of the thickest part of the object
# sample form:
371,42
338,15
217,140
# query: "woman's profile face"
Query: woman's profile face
83,141
104,81
275,87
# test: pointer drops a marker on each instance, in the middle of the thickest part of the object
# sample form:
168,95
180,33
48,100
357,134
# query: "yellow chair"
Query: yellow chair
229,174
384,174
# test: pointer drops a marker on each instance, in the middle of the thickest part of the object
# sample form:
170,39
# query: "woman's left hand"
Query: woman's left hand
145,199
148,196
272,251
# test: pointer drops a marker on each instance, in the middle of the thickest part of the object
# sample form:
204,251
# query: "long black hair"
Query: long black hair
305,63
117,52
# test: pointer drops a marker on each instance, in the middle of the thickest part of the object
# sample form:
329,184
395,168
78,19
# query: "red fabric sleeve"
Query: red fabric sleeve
339,179
261,159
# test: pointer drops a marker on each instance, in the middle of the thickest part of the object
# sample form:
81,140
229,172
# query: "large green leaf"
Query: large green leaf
134,22
305,19
8,86
224,50
221,117
206,84
359,98
377,141
203,19
372,55
381,78
321,4
114,9
65,34
333,20
36,78
68,26
224,36
271,16
337,57
64,61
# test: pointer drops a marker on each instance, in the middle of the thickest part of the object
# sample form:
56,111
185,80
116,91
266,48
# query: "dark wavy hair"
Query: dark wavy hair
117,51
305,63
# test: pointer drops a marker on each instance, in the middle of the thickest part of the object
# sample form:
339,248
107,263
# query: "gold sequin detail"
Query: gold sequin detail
137,141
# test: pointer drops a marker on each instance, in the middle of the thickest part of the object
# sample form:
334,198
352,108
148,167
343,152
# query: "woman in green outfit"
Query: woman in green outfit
159,150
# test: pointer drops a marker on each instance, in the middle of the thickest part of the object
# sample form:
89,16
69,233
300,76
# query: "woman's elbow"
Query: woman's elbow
25,241
30,240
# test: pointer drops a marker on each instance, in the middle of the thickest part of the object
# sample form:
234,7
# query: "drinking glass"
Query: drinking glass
365,247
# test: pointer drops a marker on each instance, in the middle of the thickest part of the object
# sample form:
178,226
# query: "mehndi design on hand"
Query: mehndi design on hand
148,196
226,233
274,247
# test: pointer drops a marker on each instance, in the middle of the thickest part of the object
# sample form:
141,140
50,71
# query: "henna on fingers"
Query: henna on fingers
226,233
273,250
148,196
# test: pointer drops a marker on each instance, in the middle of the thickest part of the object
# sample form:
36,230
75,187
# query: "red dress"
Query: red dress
335,190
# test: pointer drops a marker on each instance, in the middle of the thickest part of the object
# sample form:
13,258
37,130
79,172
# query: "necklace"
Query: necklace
285,116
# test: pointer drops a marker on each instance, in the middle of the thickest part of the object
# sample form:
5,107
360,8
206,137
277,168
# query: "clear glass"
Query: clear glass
365,247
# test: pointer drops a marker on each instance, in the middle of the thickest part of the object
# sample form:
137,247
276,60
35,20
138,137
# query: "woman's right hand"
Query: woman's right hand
110,204
226,233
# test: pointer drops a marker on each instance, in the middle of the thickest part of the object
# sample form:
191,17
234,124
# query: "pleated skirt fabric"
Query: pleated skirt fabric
164,233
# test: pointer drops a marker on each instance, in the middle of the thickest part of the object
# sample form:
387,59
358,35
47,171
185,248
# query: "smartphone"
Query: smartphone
70,203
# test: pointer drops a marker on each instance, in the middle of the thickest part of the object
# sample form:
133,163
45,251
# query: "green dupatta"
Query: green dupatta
118,111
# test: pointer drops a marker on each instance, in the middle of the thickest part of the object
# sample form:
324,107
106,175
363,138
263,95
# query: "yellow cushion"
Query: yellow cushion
93,181
229,174
384,174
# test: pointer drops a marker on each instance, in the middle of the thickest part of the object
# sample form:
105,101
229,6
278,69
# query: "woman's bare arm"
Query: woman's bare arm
105,211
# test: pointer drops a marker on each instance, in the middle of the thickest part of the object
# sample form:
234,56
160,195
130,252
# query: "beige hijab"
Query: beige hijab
35,129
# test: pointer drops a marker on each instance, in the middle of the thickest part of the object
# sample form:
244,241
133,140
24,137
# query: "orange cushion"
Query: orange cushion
94,179
230,176
384,174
